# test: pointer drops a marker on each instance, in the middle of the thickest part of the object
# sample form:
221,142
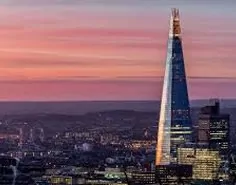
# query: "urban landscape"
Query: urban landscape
172,141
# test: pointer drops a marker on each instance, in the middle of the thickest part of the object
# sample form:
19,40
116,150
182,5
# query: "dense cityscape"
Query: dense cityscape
103,147
177,144
107,147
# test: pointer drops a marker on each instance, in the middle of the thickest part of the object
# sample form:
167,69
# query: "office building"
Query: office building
174,174
174,127
213,128
205,162
140,177
65,180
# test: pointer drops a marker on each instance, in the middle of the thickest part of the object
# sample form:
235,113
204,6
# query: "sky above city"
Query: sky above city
112,49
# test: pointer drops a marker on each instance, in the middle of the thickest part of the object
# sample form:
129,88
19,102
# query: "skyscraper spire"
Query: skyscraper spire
175,30
174,127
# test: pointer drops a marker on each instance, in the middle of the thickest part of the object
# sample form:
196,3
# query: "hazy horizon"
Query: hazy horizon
124,100
82,107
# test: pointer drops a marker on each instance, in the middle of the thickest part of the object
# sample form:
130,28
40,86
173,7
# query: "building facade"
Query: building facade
174,174
174,127
213,128
205,162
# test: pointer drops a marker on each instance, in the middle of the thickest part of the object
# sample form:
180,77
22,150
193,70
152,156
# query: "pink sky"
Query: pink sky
95,52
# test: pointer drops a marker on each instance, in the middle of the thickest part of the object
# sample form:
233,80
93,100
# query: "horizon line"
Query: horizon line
61,101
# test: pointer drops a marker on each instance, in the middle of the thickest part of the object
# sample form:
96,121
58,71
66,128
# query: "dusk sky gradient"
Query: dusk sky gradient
112,49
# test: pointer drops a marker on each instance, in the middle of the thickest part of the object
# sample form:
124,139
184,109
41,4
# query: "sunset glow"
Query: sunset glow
103,50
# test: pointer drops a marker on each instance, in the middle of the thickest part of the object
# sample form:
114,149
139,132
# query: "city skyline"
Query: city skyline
115,50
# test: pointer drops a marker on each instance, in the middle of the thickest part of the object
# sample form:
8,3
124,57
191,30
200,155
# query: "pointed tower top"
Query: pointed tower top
175,13
175,30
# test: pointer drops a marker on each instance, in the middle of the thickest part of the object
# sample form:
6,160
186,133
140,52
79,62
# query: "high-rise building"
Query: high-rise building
20,138
174,122
39,135
205,162
213,128
31,135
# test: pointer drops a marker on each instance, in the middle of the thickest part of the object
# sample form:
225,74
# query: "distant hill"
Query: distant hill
81,107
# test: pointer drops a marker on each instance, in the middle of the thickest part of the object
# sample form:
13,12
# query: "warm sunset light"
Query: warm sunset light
121,92
112,50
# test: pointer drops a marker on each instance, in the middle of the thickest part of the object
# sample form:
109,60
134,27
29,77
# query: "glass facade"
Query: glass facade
174,126
214,128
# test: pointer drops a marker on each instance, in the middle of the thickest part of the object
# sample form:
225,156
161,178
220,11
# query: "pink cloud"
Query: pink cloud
65,43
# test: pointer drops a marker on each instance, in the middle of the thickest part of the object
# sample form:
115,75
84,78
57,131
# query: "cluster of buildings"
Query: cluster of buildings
184,152
201,151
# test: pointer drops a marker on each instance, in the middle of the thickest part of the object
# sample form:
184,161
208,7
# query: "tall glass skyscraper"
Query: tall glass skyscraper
174,123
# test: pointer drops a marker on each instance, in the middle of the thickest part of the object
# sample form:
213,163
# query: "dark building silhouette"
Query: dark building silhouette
143,178
174,174
9,174
213,128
